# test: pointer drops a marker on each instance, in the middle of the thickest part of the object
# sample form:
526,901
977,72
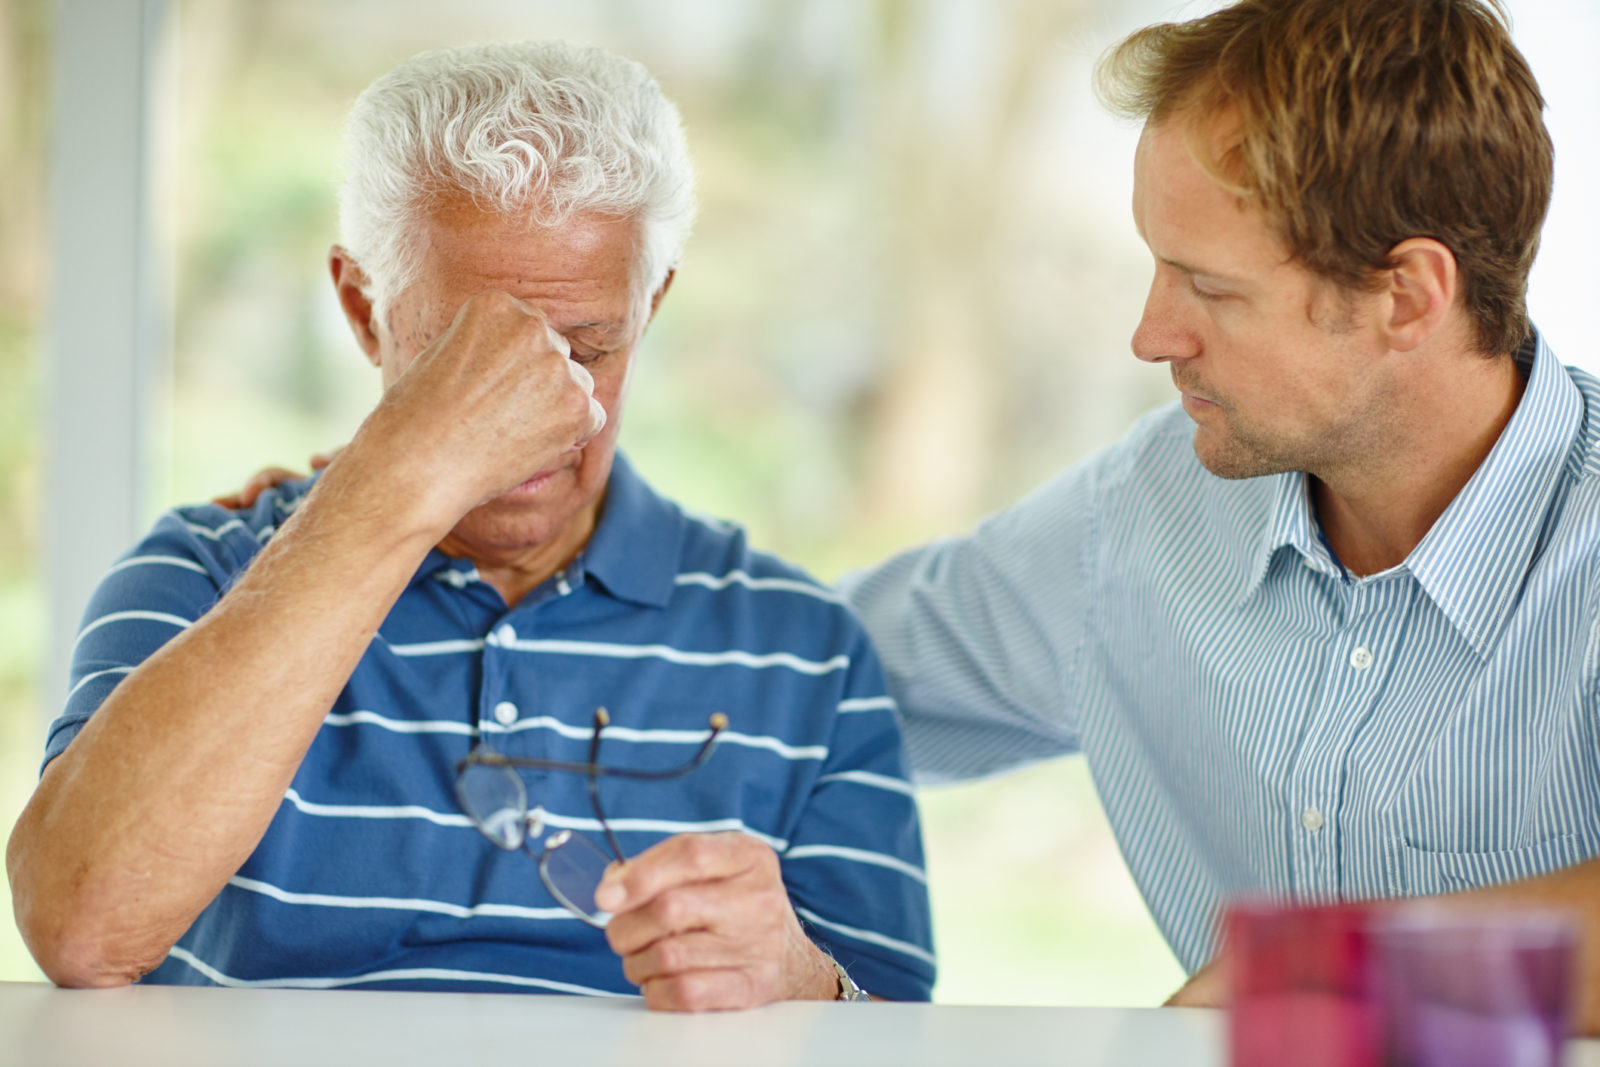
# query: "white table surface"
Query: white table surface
41,1026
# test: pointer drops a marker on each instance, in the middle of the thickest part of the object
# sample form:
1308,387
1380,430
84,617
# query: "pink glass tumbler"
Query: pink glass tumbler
1303,987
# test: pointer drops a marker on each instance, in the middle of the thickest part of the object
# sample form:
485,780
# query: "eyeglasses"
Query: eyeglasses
493,795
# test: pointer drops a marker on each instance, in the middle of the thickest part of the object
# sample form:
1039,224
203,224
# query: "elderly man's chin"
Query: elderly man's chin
547,507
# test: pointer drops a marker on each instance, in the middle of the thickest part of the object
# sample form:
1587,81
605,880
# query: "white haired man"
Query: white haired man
284,723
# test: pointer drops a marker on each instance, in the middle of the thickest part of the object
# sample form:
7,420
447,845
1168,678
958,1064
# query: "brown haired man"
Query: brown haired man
1329,627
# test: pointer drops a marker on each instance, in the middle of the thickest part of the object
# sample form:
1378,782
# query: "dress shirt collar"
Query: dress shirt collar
633,552
1472,561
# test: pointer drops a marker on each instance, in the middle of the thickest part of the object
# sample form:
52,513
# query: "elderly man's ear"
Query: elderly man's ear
666,283
350,283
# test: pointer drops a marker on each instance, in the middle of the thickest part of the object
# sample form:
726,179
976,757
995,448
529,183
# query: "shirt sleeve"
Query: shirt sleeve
149,596
854,864
979,635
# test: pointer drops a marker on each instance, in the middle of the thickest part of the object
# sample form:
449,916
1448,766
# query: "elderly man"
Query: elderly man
287,726
1328,627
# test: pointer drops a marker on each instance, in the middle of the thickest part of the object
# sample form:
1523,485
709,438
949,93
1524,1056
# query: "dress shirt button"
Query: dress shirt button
506,636
505,713
1361,659
1311,819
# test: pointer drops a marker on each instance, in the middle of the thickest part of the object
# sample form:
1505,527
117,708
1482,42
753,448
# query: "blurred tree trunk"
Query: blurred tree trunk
944,193
24,90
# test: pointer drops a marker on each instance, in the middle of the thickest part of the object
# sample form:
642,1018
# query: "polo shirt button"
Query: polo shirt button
1311,819
506,636
505,713
1361,659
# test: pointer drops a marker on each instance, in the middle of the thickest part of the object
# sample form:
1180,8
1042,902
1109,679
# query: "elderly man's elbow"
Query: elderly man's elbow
84,967
71,947
76,955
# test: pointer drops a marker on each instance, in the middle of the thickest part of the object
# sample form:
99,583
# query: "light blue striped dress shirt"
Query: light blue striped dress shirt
1255,720
370,876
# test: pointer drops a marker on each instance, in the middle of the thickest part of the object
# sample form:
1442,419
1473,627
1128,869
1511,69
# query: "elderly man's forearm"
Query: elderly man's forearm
168,788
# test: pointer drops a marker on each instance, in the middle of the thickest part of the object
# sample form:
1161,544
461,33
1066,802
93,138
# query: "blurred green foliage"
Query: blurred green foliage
23,37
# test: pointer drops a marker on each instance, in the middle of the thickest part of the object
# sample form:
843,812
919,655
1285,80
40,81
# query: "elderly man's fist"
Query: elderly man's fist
703,923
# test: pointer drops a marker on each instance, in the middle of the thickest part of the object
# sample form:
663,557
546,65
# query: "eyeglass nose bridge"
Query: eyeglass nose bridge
533,823
496,802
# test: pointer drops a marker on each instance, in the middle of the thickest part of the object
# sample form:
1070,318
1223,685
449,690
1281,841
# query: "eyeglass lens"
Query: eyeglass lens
571,865
571,868
494,797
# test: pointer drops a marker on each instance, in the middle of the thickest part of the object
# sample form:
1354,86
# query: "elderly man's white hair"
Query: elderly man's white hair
541,129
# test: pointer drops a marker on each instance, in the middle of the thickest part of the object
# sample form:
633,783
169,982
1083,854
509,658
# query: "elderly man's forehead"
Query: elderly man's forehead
584,246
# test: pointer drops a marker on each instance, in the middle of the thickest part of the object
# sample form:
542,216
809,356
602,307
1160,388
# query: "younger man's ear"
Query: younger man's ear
351,285
1421,291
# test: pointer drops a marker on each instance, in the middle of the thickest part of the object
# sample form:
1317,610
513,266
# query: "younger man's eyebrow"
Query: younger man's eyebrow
1187,269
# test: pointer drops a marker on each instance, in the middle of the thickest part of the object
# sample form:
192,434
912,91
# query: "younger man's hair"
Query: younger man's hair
1362,123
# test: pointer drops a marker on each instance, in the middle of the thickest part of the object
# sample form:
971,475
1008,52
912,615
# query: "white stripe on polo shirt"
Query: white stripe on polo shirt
781,585
735,657
438,648
575,731
214,533
167,561
856,855
867,778
870,936
402,974
133,616
86,679
439,907
551,818
858,704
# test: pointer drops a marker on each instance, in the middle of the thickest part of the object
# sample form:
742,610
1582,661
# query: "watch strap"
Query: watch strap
848,990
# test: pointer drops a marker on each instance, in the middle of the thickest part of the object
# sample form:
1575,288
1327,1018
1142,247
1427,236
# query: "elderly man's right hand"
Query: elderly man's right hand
490,402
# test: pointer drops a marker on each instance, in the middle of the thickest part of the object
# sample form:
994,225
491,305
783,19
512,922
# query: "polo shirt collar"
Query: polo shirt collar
1472,561
633,552
635,548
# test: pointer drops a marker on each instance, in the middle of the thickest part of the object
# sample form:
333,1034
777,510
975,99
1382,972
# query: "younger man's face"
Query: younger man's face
1278,370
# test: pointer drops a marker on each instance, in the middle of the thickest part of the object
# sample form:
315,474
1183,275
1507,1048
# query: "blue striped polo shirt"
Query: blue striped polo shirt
1256,720
371,876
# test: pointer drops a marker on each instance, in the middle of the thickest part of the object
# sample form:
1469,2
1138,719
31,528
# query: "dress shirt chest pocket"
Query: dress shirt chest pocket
1424,872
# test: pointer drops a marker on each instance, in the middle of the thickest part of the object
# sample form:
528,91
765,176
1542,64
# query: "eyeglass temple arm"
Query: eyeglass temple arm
592,781
719,722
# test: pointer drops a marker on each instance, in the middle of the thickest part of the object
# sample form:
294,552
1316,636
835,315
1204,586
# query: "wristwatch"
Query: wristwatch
848,990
